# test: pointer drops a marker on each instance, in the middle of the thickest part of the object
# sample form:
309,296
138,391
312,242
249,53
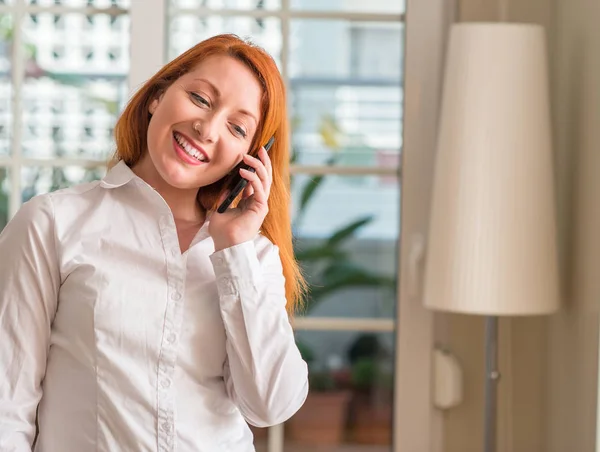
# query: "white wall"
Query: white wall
573,334
548,392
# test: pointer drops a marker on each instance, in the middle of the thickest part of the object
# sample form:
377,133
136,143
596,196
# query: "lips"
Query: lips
192,153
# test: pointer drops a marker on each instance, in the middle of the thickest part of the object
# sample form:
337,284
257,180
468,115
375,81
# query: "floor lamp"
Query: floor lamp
492,237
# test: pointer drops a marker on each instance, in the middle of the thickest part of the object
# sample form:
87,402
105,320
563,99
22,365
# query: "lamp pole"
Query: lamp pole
492,375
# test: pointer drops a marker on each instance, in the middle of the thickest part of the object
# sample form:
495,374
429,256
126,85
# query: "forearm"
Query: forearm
265,373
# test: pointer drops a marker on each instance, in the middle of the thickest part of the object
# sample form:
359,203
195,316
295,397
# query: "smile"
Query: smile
189,149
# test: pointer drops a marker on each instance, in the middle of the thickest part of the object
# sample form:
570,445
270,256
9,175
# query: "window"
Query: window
63,81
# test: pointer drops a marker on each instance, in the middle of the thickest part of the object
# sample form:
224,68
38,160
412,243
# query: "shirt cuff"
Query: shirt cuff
236,267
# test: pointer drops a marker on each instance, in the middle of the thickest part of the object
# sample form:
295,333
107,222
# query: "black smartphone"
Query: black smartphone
239,183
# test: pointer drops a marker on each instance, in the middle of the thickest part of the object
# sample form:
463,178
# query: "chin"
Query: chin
176,175
183,177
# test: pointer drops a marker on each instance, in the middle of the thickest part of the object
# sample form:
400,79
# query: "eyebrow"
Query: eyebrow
218,94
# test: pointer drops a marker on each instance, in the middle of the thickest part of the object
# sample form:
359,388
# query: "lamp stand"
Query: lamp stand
492,375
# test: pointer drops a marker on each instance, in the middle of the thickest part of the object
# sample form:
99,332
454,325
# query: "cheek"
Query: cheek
152,135
159,129
231,150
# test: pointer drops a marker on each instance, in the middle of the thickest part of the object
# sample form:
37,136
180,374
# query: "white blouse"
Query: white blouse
129,345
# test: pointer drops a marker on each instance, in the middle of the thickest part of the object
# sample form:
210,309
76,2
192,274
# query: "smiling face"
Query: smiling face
204,123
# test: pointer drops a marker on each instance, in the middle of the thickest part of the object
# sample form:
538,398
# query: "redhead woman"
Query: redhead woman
133,315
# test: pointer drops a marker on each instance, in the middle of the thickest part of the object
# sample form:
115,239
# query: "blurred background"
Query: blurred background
364,81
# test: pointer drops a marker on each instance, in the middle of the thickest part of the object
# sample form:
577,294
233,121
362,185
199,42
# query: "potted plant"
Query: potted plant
372,392
322,418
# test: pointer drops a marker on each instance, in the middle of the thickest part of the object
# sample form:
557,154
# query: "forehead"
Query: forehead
229,75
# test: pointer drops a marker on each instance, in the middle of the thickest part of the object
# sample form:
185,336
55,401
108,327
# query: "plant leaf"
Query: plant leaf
339,276
311,186
348,231
309,191
351,275
317,253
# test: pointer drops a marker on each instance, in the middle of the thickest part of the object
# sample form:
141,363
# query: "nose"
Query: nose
206,130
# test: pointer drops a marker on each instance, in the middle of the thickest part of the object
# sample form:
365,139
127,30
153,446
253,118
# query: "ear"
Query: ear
153,105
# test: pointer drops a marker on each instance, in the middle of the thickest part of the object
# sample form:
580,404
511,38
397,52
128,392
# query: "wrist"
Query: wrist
222,243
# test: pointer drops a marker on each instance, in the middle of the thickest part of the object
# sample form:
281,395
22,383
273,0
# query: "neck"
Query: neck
182,201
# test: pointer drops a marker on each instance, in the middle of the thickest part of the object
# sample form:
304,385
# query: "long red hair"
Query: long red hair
132,128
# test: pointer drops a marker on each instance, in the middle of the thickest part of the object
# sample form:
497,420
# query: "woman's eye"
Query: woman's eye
239,131
199,99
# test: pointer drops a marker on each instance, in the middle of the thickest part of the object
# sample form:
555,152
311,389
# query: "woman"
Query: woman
138,317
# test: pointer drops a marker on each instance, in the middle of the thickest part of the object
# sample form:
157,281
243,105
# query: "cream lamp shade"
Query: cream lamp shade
492,238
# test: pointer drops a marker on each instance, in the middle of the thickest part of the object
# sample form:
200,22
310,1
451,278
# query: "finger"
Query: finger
248,191
264,157
257,186
260,169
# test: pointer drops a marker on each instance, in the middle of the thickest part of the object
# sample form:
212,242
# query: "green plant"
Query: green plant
368,358
319,380
329,260
365,373
366,345
369,374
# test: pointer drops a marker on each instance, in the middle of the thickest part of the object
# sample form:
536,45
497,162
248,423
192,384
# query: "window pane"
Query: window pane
187,30
346,231
38,180
82,3
4,196
350,125
228,4
372,6
351,395
347,50
76,83
346,92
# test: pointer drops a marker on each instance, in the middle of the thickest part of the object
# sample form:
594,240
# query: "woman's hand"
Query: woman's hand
242,223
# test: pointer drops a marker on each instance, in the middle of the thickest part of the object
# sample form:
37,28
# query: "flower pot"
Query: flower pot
370,420
321,420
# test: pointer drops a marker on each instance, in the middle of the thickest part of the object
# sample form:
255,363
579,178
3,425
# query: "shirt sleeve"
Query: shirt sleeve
264,373
29,284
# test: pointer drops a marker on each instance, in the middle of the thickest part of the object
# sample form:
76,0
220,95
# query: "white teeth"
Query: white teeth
188,148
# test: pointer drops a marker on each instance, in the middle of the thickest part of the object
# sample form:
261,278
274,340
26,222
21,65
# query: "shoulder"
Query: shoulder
75,190
78,200
36,216
42,210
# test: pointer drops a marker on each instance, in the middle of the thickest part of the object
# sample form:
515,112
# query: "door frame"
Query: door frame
417,424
